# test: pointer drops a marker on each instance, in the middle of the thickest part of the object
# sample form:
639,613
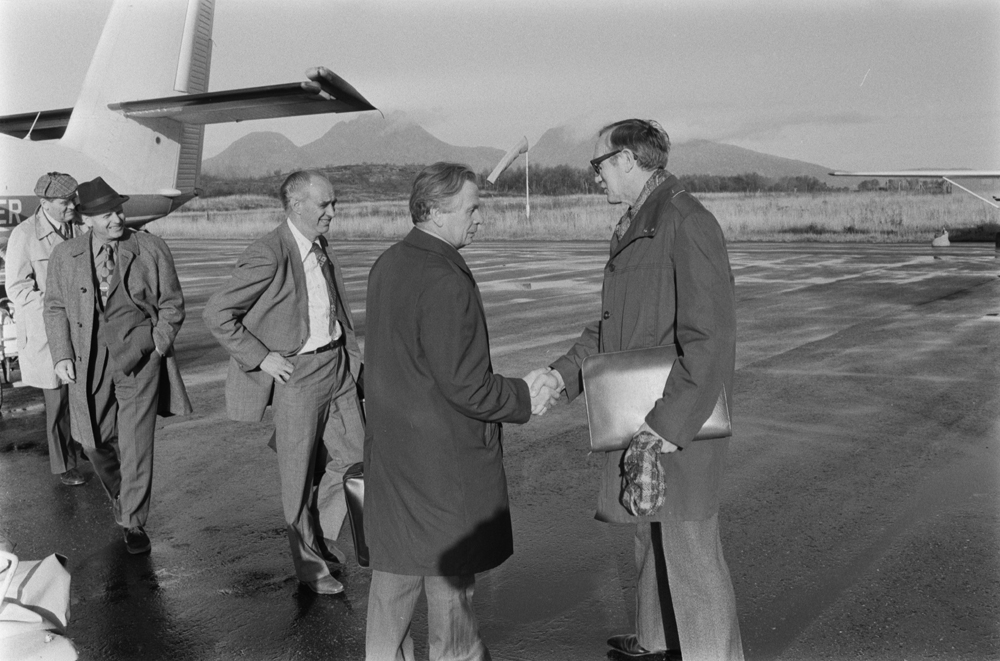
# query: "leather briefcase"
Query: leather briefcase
621,388
354,490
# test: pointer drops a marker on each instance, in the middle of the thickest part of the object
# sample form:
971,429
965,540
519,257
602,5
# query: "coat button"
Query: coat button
607,315
611,267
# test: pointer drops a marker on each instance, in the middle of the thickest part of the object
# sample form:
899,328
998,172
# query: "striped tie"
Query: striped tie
105,269
324,268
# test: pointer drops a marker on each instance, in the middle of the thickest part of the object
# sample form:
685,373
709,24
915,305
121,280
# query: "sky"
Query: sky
847,84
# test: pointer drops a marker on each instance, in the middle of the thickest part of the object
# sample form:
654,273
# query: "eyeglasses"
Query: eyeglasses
596,163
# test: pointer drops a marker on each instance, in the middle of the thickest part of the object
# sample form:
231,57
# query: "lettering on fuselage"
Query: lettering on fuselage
10,212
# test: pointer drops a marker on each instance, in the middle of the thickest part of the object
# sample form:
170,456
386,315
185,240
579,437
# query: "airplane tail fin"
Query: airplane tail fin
139,39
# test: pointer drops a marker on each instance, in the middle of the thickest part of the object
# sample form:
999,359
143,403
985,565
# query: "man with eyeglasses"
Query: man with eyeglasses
667,282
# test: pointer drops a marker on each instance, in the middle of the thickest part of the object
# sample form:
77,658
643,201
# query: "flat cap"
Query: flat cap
55,184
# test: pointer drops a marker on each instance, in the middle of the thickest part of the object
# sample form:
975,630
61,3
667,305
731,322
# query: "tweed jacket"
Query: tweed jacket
28,251
146,271
668,281
435,488
263,308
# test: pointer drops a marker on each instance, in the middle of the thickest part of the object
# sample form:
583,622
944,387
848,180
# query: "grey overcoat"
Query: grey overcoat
28,250
146,270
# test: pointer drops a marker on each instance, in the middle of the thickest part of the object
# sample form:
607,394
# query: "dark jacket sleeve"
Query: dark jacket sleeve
569,365
225,310
453,335
705,330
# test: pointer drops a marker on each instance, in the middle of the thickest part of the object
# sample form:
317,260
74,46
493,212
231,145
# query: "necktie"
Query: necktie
105,269
324,268
623,224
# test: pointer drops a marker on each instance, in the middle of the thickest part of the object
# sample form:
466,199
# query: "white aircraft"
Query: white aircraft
945,175
141,115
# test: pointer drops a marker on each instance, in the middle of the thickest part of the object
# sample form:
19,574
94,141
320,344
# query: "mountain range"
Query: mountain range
397,140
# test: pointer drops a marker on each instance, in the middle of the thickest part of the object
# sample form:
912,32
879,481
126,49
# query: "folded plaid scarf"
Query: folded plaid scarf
643,489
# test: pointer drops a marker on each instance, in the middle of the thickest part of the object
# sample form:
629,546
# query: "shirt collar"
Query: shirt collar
51,224
304,244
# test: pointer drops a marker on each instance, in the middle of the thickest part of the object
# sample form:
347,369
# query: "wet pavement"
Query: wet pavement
860,515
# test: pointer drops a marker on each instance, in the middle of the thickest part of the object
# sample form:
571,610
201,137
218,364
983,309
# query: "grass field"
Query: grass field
859,217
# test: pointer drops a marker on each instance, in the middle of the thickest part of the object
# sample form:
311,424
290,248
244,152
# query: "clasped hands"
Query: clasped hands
544,387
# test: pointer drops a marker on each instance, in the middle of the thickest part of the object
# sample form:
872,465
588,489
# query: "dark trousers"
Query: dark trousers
123,414
63,452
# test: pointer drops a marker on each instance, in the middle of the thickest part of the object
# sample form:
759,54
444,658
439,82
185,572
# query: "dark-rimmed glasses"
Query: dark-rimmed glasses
596,163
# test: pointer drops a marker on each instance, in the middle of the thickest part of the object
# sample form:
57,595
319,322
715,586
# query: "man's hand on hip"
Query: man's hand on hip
66,371
279,367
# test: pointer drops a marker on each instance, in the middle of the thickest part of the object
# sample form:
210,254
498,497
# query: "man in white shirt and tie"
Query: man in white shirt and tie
284,319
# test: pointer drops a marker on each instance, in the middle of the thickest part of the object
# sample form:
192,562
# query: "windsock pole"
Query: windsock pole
527,201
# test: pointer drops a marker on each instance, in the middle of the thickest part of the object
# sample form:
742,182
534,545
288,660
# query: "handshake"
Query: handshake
545,386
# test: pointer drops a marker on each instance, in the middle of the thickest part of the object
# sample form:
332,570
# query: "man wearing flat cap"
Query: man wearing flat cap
28,250
113,307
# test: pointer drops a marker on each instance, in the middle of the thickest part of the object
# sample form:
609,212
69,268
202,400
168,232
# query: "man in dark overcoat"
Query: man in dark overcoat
283,317
667,282
436,509
113,307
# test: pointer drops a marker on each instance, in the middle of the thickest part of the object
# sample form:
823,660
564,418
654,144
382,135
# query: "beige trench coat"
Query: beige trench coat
28,250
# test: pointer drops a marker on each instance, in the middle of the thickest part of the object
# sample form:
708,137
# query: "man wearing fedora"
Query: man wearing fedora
28,250
113,306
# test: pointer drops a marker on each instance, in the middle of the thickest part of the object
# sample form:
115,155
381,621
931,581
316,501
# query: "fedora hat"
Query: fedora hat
96,197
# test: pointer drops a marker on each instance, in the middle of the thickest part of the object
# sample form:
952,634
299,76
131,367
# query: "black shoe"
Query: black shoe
626,647
136,540
72,478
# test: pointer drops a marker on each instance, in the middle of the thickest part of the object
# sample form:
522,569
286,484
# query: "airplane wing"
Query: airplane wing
44,125
324,92
947,175
926,174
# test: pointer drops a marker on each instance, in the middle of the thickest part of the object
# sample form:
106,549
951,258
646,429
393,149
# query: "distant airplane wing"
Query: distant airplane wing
926,174
324,92
947,175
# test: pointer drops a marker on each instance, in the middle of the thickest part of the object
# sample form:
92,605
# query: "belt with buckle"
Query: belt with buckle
329,346
326,347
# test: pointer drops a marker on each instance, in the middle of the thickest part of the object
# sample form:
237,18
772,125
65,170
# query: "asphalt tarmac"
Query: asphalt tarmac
860,516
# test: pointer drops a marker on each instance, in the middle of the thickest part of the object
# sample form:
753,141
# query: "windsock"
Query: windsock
507,159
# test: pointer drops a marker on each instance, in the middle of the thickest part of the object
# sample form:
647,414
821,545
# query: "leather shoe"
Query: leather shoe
72,478
136,540
325,585
626,647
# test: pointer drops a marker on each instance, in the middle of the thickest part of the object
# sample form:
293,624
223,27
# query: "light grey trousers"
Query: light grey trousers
698,583
316,415
453,633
